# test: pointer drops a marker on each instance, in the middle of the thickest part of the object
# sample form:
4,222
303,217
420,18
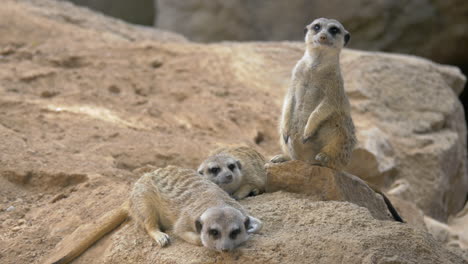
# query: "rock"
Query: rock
422,126
458,225
136,12
378,25
410,213
10,208
374,158
325,183
453,235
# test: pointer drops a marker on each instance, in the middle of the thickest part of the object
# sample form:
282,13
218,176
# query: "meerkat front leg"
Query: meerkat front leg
285,126
151,224
184,228
322,112
244,191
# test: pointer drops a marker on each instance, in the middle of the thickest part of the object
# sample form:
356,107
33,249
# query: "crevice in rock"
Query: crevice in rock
464,95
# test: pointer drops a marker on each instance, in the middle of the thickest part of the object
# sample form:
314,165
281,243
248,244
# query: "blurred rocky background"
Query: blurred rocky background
87,101
434,29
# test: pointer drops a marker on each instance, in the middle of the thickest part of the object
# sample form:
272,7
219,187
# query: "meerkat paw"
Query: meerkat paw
279,159
322,158
161,238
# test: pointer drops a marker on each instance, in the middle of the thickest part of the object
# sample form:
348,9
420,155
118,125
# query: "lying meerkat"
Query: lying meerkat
316,125
239,170
196,209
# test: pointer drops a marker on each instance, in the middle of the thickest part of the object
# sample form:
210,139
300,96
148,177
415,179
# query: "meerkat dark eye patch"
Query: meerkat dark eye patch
214,233
334,30
234,233
316,27
347,37
232,166
214,170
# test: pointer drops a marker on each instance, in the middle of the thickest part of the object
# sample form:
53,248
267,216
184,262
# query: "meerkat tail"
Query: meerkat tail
392,209
396,216
84,237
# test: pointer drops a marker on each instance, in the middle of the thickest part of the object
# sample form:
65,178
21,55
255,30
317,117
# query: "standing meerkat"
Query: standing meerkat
196,209
239,170
316,125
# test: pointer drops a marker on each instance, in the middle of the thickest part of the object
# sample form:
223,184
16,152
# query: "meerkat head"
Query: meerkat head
225,228
325,33
223,170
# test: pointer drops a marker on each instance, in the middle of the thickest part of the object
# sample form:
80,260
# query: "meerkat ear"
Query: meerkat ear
198,225
239,165
200,170
253,225
347,37
247,223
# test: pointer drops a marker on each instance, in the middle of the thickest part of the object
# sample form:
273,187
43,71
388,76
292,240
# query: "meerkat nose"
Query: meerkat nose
229,177
323,37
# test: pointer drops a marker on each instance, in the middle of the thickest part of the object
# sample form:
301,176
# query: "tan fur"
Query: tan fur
316,124
178,199
249,175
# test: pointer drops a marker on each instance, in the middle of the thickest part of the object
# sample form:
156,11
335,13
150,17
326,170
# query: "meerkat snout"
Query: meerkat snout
225,228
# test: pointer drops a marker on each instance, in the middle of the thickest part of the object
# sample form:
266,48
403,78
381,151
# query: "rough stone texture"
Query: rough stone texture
433,29
87,102
299,177
135,11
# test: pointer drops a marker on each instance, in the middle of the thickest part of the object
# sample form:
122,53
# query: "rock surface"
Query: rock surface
325,183
87,102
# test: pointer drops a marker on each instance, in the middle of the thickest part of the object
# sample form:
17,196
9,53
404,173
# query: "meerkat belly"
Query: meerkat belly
307,99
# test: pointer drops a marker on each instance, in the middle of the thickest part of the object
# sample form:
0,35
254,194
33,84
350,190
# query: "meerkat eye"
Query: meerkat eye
232,167
334,30
234,233
214,233
316,27
214,170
